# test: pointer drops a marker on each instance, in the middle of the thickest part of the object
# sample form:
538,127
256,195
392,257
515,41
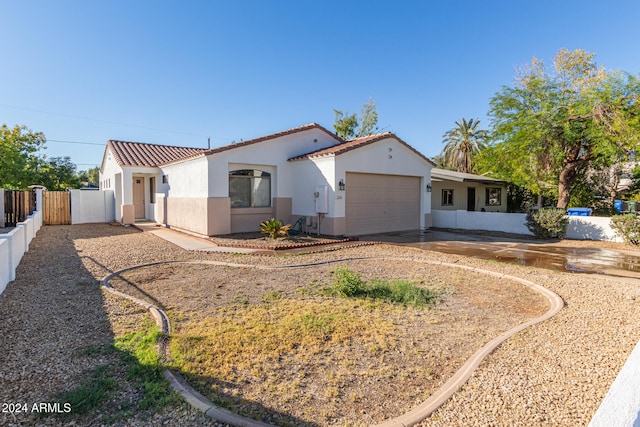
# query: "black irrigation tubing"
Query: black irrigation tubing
415,415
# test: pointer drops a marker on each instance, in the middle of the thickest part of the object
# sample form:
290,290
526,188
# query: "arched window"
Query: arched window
250,188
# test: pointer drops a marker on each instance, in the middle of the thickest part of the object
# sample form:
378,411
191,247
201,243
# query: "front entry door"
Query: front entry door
138,197
471,199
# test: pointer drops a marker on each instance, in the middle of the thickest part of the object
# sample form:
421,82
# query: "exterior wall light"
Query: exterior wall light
341,185
429,188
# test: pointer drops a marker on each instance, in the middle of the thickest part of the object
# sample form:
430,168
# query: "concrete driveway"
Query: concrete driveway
574,256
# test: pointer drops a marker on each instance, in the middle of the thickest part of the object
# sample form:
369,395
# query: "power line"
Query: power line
74,142
101,121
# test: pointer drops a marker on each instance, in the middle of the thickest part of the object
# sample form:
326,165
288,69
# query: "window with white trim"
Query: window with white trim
250,188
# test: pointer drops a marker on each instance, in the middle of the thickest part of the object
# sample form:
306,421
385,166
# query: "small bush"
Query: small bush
548,223
349,284
627,227
402,292
274,228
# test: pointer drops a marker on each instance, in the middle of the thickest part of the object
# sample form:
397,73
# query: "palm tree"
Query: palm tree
463,141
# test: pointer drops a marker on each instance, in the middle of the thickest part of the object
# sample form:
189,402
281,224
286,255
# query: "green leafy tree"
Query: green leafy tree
345,124
349,126
59,173
368,119
91,176
19,156
463,142
550,127
94,175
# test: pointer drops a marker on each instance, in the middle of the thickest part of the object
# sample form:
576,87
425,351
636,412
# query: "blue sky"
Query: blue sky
176,73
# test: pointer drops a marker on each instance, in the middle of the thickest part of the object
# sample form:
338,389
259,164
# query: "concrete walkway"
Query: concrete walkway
187,241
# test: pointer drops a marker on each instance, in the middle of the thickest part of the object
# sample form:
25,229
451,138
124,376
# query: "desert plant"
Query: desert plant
628,227
274,228
402,292
548,223
347,283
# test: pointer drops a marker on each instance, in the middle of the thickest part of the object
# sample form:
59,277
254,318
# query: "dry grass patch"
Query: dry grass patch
308,355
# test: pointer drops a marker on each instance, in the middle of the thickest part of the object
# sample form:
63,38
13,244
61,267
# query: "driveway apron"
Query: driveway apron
620,264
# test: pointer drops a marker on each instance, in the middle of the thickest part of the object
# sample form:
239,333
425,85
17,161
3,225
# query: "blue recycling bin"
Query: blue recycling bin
617,205
579,211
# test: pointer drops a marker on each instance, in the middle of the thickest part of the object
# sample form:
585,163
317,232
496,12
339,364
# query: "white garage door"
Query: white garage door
382,203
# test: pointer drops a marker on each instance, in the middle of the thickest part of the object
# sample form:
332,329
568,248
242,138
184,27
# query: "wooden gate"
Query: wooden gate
57,207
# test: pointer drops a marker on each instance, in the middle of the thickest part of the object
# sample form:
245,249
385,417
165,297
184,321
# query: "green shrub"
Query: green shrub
347,283
402,292
274,228
548,223
628,227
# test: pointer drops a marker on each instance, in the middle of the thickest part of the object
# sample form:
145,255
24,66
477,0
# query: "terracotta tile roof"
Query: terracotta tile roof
151,155
352,144
273,136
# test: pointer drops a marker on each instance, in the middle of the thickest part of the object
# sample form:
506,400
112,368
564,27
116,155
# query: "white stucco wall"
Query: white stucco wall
92,206
2,207
309,174
490,221
389,157
591,228
14,244
17,247
273,153
621,405
119,179
186,179
108,171
579,227
5,264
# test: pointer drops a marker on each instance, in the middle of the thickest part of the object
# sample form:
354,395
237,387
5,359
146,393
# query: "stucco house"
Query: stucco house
372,184
465,191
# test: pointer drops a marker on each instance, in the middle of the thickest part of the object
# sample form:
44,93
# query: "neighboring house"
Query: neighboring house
366,185
465,191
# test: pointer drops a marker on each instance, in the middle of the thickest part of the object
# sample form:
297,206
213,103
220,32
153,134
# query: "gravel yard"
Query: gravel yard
555,373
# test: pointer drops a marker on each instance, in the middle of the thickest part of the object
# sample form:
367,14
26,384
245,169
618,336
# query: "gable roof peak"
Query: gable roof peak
358,142
291,131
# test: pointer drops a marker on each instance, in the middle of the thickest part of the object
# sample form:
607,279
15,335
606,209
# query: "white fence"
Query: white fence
15,243
580,227
89,206
86,207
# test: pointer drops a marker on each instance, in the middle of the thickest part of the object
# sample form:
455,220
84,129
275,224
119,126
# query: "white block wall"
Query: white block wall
621,405
489,221
5,264
579,228
16,242
591,228
92,206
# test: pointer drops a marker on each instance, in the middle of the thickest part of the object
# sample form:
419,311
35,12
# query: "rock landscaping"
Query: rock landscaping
59,328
